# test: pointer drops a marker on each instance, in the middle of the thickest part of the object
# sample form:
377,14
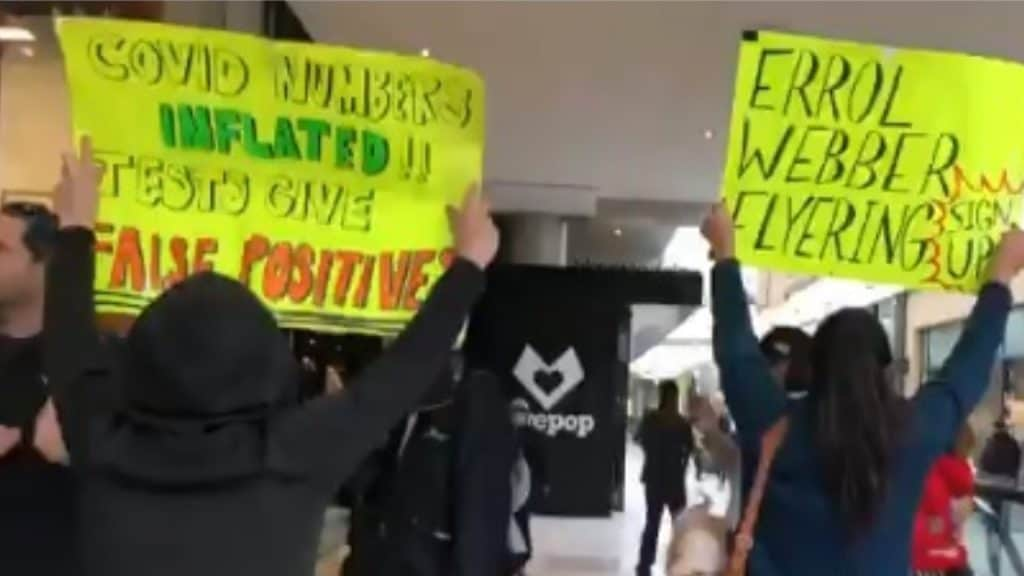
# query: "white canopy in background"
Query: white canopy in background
689,346
810,305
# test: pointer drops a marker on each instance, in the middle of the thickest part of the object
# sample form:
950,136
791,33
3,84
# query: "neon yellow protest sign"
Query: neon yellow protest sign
884,165
317,175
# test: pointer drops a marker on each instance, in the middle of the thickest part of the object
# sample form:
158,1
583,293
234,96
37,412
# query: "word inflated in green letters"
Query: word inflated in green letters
885,165
316,175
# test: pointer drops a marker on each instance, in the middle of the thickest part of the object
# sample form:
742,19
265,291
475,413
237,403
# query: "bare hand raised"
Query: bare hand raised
720,233
476,236
1009,258
77,195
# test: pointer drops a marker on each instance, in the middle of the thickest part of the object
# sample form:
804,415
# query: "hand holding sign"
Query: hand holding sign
1009,258
476,237
719,231
77,197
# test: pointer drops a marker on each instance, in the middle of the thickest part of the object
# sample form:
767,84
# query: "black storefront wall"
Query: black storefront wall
554,337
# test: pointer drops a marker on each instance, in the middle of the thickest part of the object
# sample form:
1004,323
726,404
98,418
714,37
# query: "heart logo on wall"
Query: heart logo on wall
548,383
547,379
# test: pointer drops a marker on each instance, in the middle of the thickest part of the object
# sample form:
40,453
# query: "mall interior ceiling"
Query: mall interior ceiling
615,114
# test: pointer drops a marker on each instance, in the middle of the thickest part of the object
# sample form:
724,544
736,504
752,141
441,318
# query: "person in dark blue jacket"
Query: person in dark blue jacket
846,481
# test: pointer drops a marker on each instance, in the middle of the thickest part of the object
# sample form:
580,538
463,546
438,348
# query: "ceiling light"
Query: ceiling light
617,231
425,52
709,134
16,34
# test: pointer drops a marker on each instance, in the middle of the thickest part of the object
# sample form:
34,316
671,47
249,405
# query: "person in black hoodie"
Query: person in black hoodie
36,489
211,466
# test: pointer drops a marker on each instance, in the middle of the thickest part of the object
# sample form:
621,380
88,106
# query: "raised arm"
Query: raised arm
944,404
71,345
332,435
754,399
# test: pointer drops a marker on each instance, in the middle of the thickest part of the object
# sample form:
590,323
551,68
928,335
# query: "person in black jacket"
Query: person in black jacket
210,466
444,506
667,441
36,489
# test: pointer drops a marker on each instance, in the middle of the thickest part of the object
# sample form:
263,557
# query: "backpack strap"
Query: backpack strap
744,540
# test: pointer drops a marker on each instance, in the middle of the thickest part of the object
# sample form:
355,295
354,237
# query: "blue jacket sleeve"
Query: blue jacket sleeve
943,404
752,395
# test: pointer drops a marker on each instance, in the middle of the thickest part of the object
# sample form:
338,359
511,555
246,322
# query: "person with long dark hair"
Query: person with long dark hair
210,464
845,483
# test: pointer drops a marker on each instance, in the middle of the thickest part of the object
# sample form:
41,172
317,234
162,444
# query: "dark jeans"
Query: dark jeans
658,500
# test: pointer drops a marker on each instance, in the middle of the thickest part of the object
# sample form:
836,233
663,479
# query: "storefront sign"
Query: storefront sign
551,336
316,175
865,162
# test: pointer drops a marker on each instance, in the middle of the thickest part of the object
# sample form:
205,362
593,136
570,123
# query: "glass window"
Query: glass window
938,343
886,313
1015,334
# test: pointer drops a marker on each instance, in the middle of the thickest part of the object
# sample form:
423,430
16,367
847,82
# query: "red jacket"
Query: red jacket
937,544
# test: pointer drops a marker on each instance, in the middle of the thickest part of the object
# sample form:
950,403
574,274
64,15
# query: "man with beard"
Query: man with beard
35,485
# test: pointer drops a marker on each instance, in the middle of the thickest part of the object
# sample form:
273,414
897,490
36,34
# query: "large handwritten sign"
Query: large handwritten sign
316,175
886,165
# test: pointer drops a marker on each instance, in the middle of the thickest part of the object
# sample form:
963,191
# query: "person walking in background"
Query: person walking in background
720,448
852,458
701,533
211,466
667,441
1000,464
946,503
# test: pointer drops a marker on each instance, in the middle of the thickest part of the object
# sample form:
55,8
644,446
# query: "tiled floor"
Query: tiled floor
978,546
598,547
565,547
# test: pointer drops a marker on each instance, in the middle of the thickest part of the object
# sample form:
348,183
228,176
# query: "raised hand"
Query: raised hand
476,236
77,195
49,440
9,438
1009,258
720,233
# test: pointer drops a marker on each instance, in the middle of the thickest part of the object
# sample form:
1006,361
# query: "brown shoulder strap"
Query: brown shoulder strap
744,540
